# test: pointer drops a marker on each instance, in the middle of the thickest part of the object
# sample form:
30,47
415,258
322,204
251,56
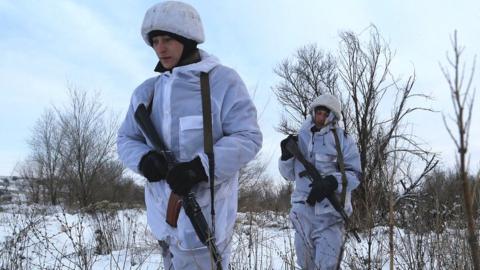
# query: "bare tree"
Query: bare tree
43,167
463,106
72,156
383,142
88,143
46,155
310,74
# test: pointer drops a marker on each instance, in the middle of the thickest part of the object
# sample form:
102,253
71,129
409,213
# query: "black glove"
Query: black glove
321,189
283,145
153,166
183,176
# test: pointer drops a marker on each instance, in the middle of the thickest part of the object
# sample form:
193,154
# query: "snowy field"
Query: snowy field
39,237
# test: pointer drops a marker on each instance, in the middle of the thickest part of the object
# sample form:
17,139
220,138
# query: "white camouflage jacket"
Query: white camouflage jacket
177,117
319,149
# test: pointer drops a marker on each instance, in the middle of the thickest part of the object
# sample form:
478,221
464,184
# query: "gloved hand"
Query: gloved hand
153,166
183,176
322,189
283,145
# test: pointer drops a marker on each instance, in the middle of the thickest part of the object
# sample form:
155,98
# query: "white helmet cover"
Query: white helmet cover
329,101
174,17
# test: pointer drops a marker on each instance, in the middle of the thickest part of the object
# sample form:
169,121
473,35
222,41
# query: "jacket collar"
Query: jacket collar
308,126
194,57
199,61
144,93
322,131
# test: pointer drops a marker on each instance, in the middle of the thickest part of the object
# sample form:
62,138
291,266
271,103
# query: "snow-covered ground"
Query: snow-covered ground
39,237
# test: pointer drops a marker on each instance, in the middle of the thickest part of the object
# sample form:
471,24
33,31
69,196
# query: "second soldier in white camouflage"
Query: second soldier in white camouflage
319,228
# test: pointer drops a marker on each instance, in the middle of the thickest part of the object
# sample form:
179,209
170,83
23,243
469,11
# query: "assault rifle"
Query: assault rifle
314,175
189,203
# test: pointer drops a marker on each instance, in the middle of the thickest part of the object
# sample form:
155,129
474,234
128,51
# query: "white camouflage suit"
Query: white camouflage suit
319,230
177,117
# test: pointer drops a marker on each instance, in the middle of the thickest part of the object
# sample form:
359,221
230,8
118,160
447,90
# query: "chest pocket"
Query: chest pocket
190,136
326,162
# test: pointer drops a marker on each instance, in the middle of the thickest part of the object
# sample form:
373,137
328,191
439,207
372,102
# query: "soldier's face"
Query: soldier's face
321,116
168,50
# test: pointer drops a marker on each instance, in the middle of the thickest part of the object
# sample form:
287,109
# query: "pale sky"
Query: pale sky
96,46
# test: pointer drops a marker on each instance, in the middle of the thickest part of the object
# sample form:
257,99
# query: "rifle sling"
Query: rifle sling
208,139
341,166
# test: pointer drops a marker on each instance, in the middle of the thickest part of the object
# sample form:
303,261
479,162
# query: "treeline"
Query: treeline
73,161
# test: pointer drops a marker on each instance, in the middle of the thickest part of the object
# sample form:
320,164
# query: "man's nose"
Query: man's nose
160,47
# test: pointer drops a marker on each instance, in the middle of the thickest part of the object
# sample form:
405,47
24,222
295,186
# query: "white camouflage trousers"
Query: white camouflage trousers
318,238
175,258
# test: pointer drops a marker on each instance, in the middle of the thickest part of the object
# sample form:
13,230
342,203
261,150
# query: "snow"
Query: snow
38,237
261,241
41,237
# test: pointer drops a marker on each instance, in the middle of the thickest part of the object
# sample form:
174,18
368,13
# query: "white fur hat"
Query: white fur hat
329,101
174,17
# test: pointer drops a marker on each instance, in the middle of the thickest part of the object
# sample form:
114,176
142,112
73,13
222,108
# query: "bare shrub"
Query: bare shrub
14,252
83,255
260,238
258,192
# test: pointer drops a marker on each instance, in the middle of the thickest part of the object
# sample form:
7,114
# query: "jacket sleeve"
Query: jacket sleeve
241,138
286,168
131,144
353,169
